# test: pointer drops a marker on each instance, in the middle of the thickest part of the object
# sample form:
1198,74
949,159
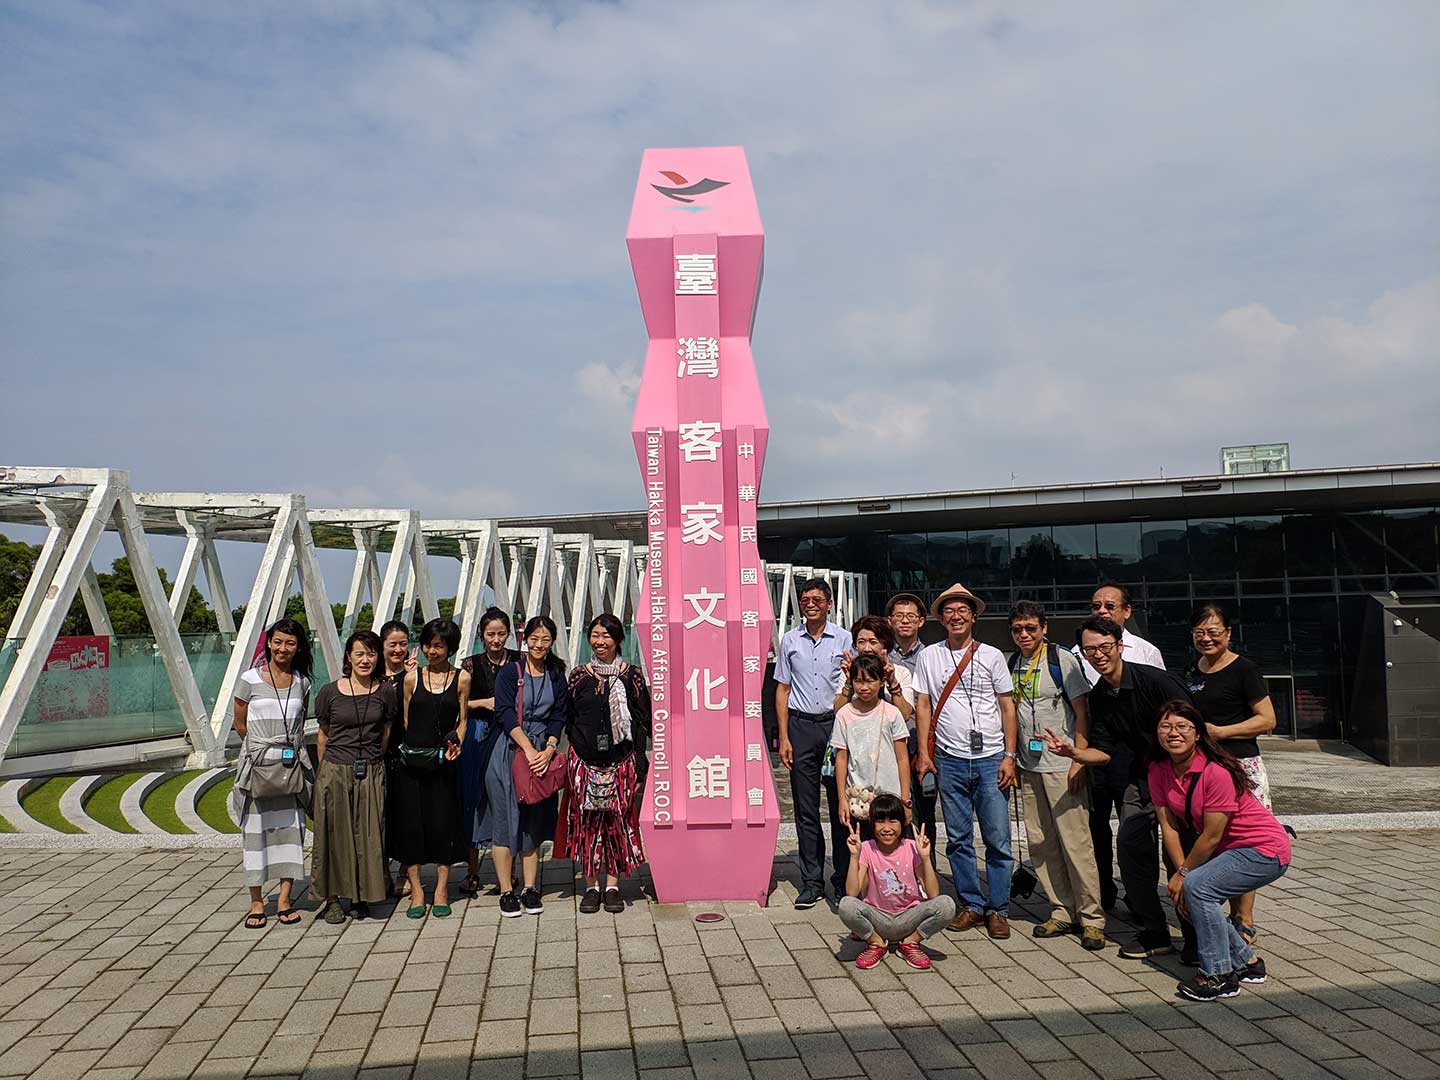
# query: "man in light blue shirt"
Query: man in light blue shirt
808,676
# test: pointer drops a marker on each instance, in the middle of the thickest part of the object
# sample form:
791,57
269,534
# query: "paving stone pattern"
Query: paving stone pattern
118,965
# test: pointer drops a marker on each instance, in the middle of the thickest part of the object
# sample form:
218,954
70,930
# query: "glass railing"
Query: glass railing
104,691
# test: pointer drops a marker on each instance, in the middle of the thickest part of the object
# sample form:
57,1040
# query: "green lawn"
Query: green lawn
211,807
5,826
104,802
43,804
159,805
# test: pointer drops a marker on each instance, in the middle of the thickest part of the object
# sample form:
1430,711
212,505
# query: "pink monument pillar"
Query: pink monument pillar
709,818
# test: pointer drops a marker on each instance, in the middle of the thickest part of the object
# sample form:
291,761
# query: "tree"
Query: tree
17,563
118,588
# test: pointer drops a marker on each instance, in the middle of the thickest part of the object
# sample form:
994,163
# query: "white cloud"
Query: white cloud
289,238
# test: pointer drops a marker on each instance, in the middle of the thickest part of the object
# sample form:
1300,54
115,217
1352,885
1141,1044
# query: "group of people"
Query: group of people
885,725
421,760
437,762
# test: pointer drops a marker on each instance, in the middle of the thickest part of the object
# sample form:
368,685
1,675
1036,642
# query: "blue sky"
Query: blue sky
374,252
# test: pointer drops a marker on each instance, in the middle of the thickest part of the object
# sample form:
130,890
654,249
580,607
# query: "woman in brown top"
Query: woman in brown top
355,714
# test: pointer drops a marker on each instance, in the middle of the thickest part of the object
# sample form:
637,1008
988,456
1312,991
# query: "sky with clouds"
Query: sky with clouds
374,252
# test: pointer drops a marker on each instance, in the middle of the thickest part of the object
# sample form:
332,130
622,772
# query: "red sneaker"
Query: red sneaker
915,956
872,956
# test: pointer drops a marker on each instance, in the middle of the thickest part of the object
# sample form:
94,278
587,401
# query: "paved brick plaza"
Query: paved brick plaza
132,964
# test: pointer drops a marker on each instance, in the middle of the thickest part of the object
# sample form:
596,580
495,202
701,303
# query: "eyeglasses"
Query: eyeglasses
1025,629
1216,635
1109,605
1183,728
898,617
812,601
1100,650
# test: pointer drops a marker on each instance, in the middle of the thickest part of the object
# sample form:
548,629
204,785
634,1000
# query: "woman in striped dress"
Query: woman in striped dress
271,701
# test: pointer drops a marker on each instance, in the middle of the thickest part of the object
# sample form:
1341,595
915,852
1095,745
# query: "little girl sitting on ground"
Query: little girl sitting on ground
890,872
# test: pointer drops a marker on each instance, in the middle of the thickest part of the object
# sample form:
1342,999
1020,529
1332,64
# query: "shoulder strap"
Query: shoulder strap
1189,797
945,694
519,692
1057,669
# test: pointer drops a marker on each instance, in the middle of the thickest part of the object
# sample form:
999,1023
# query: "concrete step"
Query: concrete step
134,795
11,792
72,804
186,804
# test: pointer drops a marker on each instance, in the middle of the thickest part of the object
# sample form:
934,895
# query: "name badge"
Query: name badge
1037,746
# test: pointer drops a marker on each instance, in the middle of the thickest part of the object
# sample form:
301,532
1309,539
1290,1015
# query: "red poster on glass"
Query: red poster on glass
76,681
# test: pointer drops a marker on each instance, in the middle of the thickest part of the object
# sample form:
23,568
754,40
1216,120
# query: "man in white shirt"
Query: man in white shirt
1112,600
1107,782
965,707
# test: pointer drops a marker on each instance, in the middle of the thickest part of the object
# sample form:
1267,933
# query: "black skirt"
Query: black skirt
425,816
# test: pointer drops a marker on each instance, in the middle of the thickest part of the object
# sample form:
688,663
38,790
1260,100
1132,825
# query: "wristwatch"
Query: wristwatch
1009,754
910,804
1183,871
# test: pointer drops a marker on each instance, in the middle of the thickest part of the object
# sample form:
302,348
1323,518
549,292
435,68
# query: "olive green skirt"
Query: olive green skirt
348,858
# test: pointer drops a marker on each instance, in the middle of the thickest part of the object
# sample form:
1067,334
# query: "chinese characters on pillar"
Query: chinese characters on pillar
695,275
709,777
698,356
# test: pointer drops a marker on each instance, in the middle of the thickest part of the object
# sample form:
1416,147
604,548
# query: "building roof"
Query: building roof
1369,487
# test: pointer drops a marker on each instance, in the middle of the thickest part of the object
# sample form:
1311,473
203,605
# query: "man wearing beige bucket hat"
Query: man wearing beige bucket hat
965,704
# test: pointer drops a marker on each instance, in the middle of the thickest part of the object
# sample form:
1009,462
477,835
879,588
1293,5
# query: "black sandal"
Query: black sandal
470,886
255,920
288,917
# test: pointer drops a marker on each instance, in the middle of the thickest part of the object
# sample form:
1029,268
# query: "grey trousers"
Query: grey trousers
928,917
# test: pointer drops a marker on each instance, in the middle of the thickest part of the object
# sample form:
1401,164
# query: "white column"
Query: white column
163,625
54,601
312,587
267,583
94,599
219,595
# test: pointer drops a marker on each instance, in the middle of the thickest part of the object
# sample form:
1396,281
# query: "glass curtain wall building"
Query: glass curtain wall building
1294,582
1295,578
1292,555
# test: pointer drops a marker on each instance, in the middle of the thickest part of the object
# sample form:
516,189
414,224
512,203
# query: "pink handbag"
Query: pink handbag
529,788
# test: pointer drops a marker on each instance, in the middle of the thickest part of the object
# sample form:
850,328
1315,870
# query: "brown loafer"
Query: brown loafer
997,926
966,920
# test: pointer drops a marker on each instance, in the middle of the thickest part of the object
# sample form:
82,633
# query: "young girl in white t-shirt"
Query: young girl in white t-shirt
871,745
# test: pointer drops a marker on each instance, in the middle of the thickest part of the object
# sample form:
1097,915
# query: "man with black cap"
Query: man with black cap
964,698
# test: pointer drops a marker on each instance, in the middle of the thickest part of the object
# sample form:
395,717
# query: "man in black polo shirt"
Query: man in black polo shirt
1124,709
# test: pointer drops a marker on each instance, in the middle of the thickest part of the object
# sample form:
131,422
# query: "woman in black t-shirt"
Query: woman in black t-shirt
609,734
1231,694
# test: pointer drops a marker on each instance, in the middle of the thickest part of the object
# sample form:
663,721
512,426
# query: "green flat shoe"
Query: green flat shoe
441,911
416,912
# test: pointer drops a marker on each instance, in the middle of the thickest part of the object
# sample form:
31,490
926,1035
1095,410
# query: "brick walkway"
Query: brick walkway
130,964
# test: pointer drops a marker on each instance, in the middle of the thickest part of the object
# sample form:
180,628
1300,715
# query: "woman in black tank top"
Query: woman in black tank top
425,801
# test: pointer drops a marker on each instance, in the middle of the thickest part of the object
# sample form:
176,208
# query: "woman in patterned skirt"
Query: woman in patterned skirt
271,701
609,732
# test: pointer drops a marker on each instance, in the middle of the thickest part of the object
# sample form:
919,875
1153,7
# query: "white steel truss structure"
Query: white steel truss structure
525,571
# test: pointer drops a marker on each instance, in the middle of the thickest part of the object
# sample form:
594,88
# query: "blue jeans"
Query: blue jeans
1206,890
969,793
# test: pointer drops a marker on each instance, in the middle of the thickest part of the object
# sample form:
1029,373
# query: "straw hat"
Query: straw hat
957,592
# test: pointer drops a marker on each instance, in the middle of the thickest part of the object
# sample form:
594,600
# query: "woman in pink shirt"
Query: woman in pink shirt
1222,840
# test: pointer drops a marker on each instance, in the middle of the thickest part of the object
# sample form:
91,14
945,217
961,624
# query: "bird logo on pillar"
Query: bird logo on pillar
683,193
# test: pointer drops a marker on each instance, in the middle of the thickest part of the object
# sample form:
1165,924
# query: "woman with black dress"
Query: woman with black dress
605,767
480,736
425,827
397,659
533,729
1231,694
